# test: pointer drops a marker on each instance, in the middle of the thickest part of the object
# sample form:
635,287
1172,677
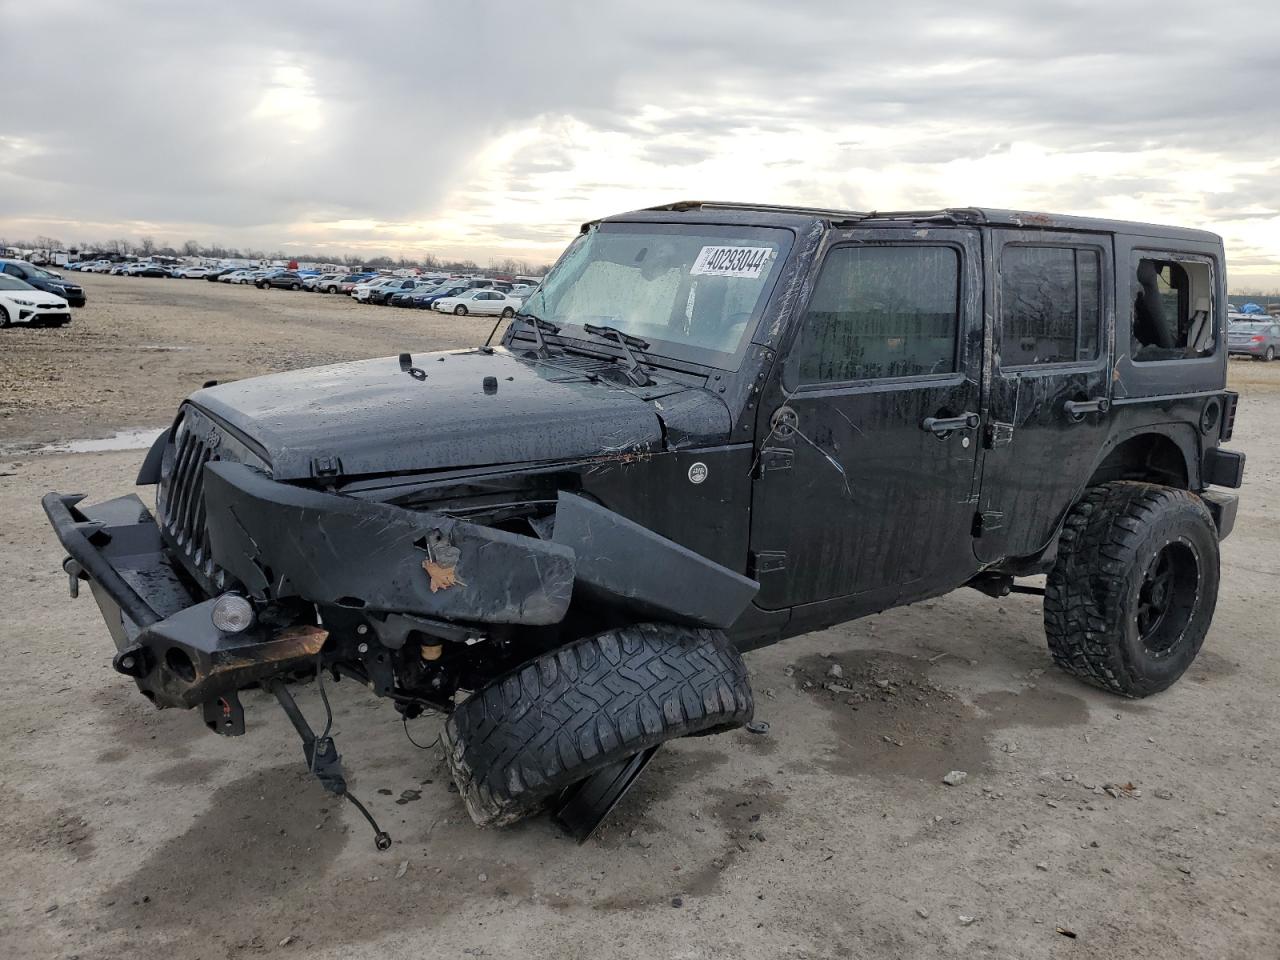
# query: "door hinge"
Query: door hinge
774,458
767,561
997,434
985,520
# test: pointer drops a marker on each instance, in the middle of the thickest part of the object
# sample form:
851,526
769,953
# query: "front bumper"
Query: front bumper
162,630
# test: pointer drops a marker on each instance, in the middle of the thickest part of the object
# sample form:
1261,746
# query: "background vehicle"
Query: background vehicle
347,284
425,299
1251,336
45,280
329,280
384,292
22,303
934,387
192,272
361,291
216,274
282,280
479,301
146,270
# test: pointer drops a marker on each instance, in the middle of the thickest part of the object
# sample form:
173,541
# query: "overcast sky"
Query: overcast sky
493,129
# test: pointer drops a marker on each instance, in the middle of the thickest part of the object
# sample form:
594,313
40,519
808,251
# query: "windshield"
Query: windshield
13,283
693,292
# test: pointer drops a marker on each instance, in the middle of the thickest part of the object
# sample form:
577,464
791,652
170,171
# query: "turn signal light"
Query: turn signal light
232,613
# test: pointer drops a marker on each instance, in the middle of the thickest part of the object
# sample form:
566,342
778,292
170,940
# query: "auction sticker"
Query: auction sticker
698,472
743,262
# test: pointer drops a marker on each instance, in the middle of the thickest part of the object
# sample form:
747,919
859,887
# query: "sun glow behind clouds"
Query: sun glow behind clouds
290,99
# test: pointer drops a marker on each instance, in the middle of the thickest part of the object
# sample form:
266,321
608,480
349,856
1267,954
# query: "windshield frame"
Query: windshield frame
679,354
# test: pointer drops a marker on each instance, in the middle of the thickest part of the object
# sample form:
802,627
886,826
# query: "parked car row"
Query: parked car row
461,296
42,279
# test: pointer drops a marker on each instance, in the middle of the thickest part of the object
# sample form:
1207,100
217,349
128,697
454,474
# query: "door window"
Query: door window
881,311
1172,310
1050,305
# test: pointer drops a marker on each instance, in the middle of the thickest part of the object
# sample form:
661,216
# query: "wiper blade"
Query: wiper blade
538,325
626,341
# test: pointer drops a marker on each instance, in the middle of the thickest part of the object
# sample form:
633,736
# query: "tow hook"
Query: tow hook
321,753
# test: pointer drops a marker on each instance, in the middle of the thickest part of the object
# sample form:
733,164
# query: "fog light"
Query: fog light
232,613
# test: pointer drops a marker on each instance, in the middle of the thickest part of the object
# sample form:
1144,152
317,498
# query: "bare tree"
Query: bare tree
191,249
146,246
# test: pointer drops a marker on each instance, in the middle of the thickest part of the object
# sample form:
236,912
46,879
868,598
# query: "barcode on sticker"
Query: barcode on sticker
744,262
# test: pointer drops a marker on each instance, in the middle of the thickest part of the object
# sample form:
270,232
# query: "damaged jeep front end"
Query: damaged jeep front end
414,602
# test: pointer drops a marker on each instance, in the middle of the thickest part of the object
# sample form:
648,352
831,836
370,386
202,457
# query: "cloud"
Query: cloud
493,128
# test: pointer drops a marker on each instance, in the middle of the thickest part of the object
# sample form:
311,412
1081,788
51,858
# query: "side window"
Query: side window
881,312
1050,305
1172,310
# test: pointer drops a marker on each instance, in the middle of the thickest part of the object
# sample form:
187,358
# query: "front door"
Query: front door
868,432
1049,398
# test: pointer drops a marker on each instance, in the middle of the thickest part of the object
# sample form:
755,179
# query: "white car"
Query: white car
193,272
244,276
330,280
361,290
20,302
482,301
98,266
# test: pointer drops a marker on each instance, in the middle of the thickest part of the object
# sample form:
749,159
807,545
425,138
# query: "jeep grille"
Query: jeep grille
180,505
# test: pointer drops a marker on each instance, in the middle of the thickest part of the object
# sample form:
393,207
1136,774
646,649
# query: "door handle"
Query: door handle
1076,409
944,425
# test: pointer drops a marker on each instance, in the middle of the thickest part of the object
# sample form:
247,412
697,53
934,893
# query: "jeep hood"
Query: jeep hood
372,417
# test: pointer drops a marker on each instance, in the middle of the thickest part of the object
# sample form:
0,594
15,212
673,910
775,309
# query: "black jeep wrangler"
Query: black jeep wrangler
713,426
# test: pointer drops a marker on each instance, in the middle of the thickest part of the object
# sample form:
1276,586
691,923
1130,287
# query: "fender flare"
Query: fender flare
621,563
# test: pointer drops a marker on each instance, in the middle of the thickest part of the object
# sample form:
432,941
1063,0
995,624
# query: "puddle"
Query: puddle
135,438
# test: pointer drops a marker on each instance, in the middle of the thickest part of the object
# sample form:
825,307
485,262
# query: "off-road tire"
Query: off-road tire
555,720
1093,603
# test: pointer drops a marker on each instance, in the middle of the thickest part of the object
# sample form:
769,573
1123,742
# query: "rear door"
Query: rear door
1048,405
868,433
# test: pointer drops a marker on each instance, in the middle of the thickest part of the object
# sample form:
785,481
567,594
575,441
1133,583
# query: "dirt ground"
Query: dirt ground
1088,827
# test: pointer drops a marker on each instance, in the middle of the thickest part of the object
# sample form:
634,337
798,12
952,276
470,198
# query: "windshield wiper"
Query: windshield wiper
626,341
538,325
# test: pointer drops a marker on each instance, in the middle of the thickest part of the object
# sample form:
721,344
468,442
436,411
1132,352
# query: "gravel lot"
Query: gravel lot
1088,826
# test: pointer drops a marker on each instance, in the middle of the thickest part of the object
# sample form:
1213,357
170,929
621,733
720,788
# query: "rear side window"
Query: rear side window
1050,305
882,312
1172,310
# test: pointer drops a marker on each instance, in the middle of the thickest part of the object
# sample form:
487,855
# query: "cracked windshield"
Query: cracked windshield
690,295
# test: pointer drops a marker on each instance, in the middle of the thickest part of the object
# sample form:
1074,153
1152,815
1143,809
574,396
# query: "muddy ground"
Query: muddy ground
1088,826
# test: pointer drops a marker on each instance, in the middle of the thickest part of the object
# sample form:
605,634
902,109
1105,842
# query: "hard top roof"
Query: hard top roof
709,211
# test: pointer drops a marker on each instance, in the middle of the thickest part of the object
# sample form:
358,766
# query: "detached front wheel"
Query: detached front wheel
1130,599
553,722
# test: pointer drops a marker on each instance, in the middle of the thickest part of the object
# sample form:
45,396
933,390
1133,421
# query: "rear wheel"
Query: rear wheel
1130,599
295,286
460,310
551,723
507,313
1269,355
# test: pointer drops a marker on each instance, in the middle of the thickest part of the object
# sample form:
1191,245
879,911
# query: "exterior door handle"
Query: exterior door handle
1076,409
944,425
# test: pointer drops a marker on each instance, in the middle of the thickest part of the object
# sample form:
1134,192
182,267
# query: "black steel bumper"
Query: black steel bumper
163,633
